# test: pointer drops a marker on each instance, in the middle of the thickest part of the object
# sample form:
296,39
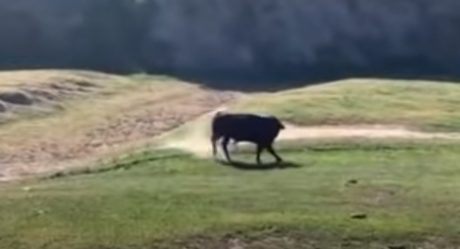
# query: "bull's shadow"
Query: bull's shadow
264,166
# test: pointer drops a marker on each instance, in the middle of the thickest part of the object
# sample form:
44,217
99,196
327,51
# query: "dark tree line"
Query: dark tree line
110,35
21,39
229,39
113,35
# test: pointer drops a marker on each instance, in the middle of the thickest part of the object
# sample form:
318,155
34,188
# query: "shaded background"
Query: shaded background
236,41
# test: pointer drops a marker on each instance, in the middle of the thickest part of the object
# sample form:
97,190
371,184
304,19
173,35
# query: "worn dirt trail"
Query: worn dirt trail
194,137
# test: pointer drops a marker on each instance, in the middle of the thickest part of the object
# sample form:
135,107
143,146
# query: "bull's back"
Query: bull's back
246,127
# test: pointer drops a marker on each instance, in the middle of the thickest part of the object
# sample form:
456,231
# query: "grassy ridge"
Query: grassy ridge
417,104
79,125
407,192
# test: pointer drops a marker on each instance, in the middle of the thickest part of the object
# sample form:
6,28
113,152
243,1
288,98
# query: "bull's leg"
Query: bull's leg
225,147
272,151
214,139
260,148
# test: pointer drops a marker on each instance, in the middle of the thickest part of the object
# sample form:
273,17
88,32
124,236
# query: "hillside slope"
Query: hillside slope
35,93
335,194
350,110
130,112
414,104
74,129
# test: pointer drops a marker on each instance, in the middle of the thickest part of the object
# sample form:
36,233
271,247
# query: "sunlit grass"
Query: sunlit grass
416,104
407,191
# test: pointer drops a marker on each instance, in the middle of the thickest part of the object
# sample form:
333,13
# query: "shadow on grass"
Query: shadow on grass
265,166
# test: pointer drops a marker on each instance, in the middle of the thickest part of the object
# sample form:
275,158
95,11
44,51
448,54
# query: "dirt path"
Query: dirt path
161,119
362,131
195,136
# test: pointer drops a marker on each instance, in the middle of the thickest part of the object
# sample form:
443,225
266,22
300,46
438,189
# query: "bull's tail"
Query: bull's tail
215,136
214,120
218,114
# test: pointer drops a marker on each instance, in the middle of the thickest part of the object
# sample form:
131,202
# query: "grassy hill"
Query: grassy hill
330,194
56,119
416,104
35,93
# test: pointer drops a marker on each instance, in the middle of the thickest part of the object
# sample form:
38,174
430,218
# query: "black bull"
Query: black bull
260,130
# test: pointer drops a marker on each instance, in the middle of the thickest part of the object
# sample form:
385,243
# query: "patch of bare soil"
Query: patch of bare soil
131,127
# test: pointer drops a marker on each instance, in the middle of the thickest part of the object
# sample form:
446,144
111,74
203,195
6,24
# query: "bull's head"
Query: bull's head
281,126
219,113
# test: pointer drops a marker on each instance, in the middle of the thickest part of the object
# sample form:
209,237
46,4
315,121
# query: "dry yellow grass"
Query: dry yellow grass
43,77
123,111
25,94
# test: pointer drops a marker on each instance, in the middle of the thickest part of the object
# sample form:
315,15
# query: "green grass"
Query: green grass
169,199
416,104
410,192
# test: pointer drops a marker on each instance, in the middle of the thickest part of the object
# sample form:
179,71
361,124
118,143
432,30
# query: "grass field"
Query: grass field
168,199
415,104
331,193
